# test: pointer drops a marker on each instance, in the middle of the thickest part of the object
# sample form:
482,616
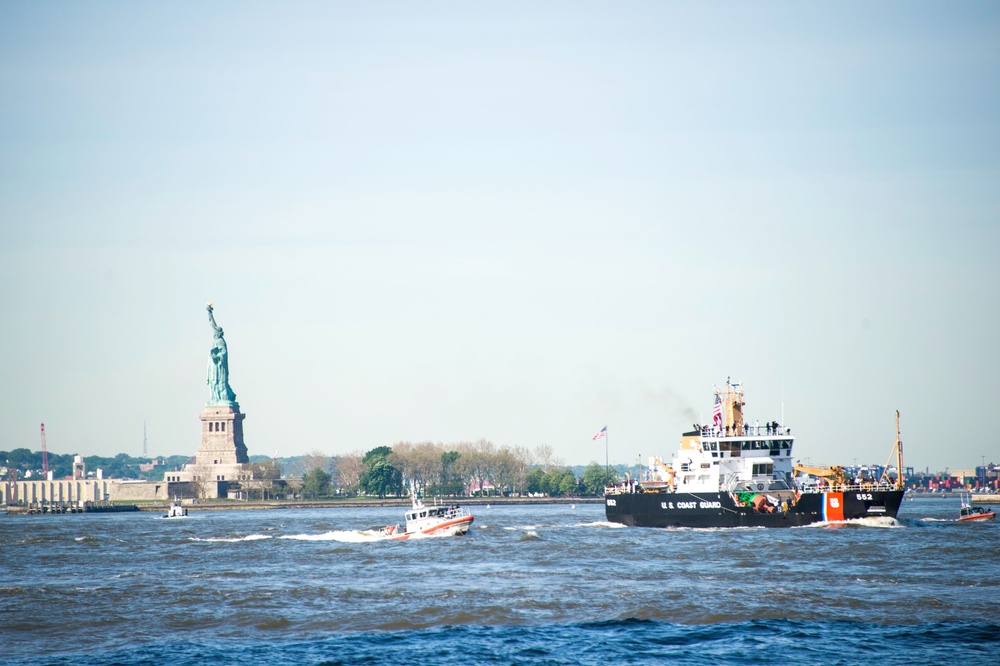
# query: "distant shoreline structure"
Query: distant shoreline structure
237,505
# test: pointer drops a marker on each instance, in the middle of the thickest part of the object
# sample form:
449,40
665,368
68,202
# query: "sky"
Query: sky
518,222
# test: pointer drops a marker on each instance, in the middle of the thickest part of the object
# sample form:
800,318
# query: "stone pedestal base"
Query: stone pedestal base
222,436
220,457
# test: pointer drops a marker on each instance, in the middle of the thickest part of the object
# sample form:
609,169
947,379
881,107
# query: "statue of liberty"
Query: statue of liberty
220,393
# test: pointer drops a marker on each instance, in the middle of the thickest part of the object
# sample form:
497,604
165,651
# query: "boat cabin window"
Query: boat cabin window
763,469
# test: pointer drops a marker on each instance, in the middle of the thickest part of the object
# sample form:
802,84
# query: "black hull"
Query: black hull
720,510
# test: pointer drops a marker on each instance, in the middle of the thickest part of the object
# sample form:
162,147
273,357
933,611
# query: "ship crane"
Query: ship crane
835,474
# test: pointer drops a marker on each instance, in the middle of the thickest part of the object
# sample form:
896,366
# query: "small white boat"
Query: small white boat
427,521
176,511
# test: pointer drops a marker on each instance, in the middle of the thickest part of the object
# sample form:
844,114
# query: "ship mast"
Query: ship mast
900,484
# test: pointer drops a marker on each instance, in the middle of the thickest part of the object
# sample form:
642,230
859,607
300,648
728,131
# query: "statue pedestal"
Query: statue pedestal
222,436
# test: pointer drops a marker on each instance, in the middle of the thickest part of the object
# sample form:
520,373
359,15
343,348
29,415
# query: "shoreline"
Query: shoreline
239,505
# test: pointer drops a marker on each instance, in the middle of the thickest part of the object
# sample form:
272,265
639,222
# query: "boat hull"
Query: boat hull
978,517
454,527
721,510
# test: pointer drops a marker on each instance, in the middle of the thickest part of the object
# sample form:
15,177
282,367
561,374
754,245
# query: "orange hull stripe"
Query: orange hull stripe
450,523
833,507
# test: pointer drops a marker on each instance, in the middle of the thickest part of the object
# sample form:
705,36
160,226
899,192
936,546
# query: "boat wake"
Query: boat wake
602,524
251,537
343,536
873,521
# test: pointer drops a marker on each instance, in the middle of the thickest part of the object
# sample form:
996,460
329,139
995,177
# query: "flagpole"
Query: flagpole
607,464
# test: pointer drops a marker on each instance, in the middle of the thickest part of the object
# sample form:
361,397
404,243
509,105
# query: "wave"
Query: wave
251,537
603,524
343,536
884,522
627,640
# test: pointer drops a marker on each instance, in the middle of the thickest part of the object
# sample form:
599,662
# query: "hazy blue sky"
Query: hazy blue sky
513,221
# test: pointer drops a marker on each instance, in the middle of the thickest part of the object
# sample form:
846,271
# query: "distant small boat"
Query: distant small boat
176,511
974,513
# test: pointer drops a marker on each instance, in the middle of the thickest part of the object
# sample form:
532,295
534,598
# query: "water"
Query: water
539,584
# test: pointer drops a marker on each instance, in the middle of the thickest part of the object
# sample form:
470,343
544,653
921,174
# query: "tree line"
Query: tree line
121,466
465,468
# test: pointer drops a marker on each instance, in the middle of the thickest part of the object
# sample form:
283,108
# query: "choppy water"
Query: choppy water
539,584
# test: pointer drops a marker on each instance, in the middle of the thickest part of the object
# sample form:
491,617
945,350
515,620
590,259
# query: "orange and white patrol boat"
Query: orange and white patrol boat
430,521
968,513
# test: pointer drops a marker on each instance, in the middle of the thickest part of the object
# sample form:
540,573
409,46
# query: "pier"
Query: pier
63,508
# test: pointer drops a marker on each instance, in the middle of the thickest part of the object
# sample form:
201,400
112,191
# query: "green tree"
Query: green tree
377,452
596,477
550,486
448,459
568,484
535,481
381,478
316,483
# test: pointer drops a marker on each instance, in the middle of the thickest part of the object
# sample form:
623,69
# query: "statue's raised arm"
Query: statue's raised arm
211,318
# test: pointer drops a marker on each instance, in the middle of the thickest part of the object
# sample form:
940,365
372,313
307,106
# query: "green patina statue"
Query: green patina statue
220,393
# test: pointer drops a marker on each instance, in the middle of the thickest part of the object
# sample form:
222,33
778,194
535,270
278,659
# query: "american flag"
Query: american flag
717,412
603,433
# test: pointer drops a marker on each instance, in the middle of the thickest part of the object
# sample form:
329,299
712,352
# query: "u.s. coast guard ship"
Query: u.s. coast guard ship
733,474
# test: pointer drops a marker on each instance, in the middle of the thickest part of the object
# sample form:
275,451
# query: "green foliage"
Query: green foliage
316,483
595,478
568,484
377,452
556,482
381,478
535,481
122,466
448,459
